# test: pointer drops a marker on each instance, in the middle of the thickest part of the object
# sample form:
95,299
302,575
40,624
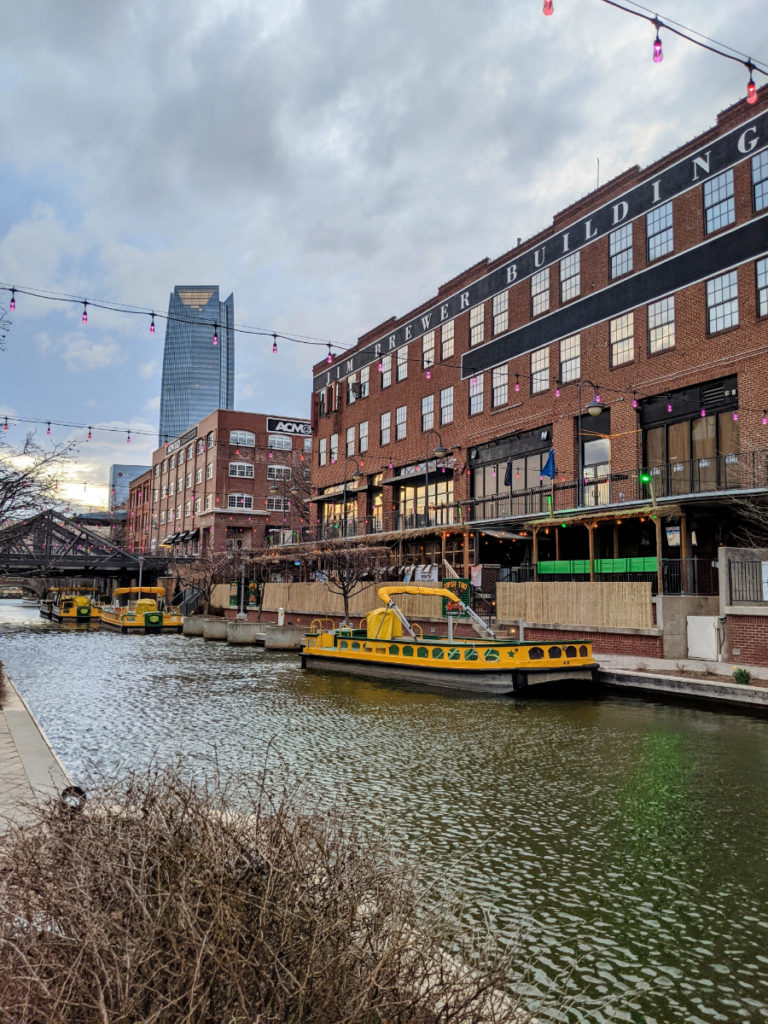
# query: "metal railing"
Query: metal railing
732,472
746,583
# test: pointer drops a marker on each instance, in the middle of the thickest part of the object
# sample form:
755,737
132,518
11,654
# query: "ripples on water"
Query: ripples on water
621,844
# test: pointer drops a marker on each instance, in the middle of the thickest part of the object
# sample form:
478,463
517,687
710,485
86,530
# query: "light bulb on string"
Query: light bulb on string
5,425
517,382
152,324
557,389
428,373
635,403
89,434
48,431
85,312
274,345
12,303
751,87
669,407
128,439
703,412
329,360
548,8
380,367
735,417
658,53
764,420
215,334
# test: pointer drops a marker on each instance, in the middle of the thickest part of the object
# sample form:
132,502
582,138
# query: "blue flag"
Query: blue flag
548,469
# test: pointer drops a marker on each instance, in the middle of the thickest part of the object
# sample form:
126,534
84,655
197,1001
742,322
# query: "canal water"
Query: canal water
621,844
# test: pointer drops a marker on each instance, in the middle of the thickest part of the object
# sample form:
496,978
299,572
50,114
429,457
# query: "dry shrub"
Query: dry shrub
159,904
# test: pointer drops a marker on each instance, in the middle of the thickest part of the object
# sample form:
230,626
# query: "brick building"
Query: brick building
585,404
233,481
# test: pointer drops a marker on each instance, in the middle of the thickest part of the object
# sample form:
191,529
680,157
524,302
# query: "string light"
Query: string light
274,345
735,417
85,312
703,412
12,303
751,88
635,402
89,434
215,334
428,373
152,324
669,407
329,360
5,425
517,382
658,53
764,420
548,8
48,431
128,439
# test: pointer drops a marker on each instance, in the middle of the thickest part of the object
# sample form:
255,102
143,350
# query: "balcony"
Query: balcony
738,471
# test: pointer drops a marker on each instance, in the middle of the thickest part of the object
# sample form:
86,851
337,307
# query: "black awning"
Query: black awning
181,537
193,534
170,538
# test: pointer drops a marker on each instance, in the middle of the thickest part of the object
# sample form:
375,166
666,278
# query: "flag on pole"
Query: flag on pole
548,469
508,474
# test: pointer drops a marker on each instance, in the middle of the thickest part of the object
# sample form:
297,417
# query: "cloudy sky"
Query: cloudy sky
331,162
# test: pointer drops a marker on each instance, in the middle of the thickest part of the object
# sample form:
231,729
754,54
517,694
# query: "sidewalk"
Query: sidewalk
29,770
699,680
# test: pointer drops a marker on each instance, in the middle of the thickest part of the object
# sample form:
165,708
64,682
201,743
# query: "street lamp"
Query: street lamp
594,408
355,477
440,452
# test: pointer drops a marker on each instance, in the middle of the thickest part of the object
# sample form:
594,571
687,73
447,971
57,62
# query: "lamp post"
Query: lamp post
355,477
440,452
594,408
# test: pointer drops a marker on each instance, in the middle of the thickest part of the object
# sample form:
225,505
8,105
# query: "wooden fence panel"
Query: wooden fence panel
617,605
317,599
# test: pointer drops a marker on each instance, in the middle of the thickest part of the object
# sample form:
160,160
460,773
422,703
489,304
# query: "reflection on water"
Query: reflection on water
621,843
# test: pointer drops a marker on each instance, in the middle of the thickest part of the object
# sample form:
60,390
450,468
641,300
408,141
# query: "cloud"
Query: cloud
81,355
147,370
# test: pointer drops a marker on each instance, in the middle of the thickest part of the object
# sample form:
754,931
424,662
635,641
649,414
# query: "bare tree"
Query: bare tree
347,569
750,521
29,476
207,571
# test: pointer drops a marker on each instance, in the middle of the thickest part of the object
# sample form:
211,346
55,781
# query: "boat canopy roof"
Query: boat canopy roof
138,590
385,593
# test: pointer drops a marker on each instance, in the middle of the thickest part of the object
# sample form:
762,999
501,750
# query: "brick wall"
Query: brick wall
747,634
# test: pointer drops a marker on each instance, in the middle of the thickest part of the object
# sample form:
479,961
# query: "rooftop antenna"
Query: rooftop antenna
597,182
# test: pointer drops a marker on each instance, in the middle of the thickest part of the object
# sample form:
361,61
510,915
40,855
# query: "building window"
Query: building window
171,488
499,385
211,439
500,312
384,430
661,325
362,438
322,451
209,471
240,501
570,358
446,340
155,496
365,376
199,475
476,394
241,469
623,339
322,404
200,447
401,414
162,518
477,325
208,502
181,458
156,469
242,438
179,485
278,472
352,389
428,350
187,507
308,443
165,466
540,292
178,511
570,277
164,492
172,462
333,447
189,480
280,442
198,505
658,226
402,363
350,449
276,505
446,406
760,180
386,371
620,248
540,371
722,302
428,412
762,287
719,206
189,450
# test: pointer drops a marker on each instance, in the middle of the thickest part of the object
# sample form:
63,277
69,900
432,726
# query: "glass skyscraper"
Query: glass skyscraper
198,375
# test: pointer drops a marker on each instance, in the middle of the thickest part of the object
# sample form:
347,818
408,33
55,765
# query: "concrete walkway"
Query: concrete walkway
697,680
30,772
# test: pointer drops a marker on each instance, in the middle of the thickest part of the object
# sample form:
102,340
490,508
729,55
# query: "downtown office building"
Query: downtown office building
199,359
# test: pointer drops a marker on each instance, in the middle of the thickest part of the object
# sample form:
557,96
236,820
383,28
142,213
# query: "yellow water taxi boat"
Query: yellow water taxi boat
390,647
71,606
140,610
